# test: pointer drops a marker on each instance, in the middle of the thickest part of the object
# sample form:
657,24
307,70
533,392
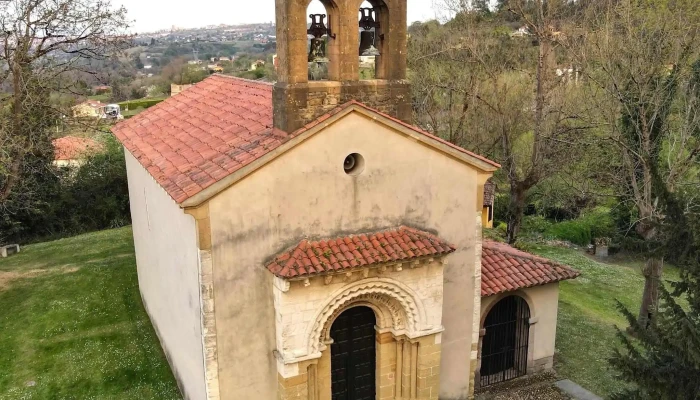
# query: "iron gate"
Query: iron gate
505,346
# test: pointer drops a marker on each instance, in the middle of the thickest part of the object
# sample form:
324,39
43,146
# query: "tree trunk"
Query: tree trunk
516,209
650,299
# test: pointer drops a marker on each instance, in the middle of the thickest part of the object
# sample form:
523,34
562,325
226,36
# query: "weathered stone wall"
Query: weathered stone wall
298,101
298,104
343,51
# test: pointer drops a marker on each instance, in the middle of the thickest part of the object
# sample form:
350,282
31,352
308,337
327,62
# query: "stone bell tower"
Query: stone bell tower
297,100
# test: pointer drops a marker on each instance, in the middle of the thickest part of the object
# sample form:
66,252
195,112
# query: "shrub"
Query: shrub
57,202
536,224
574,231
141,103
597,223
98,193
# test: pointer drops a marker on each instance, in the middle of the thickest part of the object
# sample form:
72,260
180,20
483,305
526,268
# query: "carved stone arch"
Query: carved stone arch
395,305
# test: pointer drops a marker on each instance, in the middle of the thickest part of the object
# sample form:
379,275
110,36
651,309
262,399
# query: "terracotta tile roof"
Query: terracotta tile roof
505,269
204,134
310,258
74,148
191,141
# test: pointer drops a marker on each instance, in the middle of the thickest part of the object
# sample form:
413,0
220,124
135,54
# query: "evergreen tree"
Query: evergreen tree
663,361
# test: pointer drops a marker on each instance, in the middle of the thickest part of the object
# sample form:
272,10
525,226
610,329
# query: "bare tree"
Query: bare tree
43,44
643,62
483,89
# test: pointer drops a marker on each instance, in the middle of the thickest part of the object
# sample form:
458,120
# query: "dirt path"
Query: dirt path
7,277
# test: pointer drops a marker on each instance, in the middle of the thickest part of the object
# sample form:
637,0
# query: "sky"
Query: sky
152,15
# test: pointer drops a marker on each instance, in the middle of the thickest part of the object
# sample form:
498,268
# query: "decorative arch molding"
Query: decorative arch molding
396,306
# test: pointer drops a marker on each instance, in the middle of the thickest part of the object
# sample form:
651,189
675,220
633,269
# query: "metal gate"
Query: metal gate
505,346
353,355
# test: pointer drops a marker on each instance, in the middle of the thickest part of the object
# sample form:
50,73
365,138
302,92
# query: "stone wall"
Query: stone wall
298,104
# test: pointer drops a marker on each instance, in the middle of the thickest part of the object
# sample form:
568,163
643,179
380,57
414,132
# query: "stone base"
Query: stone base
541,365
298,104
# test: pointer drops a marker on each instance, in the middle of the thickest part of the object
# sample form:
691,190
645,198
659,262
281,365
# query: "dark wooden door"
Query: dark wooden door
353,355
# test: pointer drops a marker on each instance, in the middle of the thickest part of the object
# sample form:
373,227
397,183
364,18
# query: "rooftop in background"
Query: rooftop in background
74,148
506,269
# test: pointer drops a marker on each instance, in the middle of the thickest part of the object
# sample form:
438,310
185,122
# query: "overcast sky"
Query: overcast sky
151,15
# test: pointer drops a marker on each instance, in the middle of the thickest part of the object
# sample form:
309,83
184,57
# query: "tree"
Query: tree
137,60
639,57
479,88
42,43
663,362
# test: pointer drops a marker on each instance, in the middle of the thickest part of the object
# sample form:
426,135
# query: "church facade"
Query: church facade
303,240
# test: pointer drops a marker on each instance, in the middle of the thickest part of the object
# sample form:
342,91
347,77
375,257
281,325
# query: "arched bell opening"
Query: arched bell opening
321,47
373,24
369,40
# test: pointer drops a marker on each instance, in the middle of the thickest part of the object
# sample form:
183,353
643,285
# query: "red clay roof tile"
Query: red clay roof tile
506,269
310,258
186,142
74,148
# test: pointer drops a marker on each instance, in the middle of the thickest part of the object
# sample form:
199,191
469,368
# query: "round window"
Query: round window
354,164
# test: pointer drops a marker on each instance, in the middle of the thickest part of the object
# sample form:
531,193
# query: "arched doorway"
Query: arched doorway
353,355
504,351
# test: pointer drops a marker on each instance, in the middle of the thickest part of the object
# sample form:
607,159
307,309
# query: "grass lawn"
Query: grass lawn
587,315
72,325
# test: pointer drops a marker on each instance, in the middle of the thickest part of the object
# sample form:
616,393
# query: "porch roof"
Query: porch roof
310,258
506,269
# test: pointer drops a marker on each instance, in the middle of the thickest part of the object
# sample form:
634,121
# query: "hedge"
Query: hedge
140,103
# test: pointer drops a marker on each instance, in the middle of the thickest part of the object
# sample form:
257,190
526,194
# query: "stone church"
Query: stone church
302,240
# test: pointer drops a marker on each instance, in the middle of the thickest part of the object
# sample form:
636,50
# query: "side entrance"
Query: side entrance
504,353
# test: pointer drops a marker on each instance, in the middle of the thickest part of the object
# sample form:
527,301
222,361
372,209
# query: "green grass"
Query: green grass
586,334
72,323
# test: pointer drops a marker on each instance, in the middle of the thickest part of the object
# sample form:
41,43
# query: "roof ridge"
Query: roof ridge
263,83
505,247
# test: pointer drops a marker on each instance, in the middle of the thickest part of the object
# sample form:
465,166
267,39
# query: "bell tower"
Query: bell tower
334,39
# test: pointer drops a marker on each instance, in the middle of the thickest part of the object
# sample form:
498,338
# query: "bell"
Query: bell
317,48
367,21
317,51
367,44
368,33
